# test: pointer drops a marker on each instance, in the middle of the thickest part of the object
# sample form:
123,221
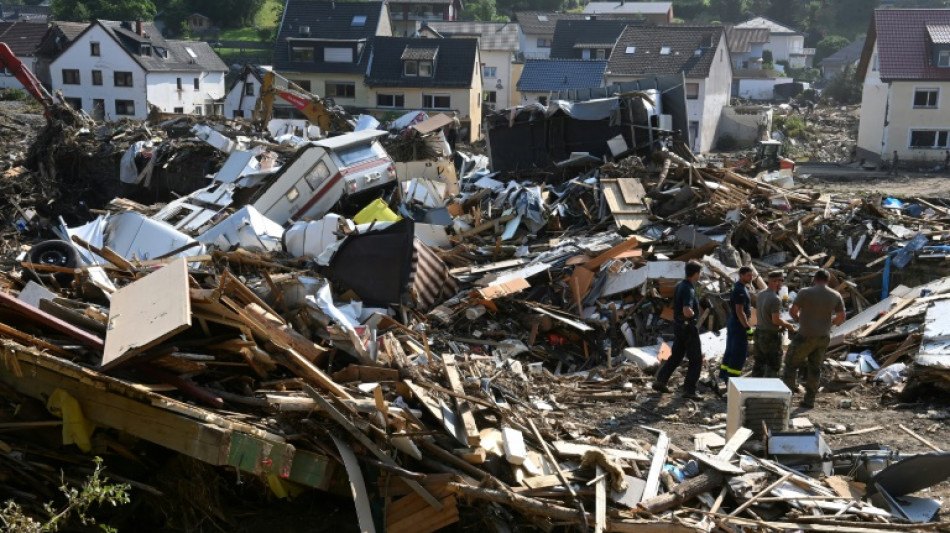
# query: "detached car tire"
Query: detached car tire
54,253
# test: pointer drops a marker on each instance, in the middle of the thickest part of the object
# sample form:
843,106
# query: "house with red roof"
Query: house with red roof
905,71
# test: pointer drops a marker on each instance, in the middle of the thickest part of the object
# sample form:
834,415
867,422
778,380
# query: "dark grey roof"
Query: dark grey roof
568,33
71,30
691,50
742,39
24,12
541,23
23,38
328,24
181,56
454,63
847,55
491,35
545,75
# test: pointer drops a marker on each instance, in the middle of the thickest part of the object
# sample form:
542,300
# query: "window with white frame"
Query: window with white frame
489,72
943,58
926,98
425,69
924,139
436,101
544,43
390,100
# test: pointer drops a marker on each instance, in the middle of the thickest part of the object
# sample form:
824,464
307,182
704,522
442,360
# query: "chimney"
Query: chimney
139,28
621,2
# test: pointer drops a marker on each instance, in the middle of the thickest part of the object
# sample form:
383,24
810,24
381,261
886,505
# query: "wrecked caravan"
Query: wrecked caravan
321,174
325,173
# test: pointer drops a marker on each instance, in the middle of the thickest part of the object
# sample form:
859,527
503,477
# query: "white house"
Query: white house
652,12
23,38
117,70
498,47
700,53
905,71
785,43
241,98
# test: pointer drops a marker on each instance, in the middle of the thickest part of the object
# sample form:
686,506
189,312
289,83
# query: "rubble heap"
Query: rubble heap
430,349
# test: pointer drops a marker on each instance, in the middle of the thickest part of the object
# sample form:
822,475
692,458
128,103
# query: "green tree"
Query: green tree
729,10
482,10
87,10
829,45
844,88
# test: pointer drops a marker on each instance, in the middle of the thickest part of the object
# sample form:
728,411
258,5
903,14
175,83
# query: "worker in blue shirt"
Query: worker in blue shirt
686,343
738,328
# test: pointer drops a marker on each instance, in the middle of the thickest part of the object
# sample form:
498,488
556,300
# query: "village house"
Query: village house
651,12
699,53
785,43
25,13
58,37
840,61
541,77
498,47
116,70
435,75
242,96
905,71
23,38
537,32
587,39
324,47
408,16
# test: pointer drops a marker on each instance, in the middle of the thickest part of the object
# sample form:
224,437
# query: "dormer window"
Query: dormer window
943,58
419,62
145,49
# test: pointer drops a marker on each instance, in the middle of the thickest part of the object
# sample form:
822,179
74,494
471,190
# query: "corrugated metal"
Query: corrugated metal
429,280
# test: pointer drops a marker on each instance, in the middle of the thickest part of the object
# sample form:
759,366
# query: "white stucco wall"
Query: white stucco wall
9,81
237,99
872,136
759,89
714,93
501,60
113,58
528,43
157,88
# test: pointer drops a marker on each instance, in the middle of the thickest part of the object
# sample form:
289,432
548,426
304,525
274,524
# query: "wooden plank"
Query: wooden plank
659,452
571,449
439,411
146,312
338,417
898,307
464,408
600,502
733,444
719,464
364,514
427,519
40,317
632,190
279,330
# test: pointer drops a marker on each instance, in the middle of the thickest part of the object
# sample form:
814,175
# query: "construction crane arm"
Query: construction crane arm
329,118
30,82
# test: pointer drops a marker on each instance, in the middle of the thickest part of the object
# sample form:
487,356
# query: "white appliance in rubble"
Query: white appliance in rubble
752,401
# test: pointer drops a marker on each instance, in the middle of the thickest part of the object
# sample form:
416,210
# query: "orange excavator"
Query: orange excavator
329,117
30,82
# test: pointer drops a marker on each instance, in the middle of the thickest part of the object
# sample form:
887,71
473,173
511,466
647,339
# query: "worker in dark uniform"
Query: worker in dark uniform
767,350
738,329
686,343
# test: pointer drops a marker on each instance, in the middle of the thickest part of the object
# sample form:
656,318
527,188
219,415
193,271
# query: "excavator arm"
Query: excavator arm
328,118
30,82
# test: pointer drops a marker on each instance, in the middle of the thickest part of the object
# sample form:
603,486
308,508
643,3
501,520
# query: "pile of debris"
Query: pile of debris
319,310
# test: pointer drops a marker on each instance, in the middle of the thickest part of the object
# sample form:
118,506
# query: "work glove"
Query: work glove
750,333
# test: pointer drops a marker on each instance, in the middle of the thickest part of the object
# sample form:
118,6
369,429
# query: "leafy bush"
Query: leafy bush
844,88
12,94
793,126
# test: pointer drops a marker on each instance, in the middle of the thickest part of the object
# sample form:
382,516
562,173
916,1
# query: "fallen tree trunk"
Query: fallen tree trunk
705,482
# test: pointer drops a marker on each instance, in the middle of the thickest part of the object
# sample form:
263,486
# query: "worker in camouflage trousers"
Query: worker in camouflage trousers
815,309
767,349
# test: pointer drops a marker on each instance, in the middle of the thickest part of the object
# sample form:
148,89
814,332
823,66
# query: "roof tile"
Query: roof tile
691,50
491,35
545,75
454,63
902,43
